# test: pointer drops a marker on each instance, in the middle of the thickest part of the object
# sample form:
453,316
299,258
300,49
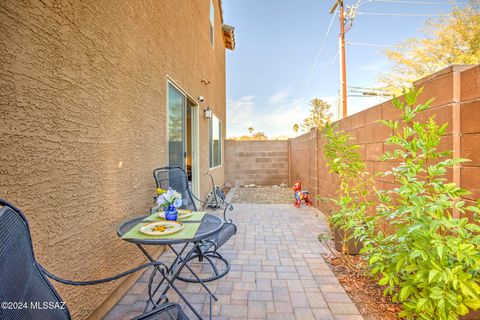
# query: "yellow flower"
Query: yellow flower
160,191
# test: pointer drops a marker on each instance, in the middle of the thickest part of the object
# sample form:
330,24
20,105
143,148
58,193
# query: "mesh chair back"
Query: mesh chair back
175,178
20,277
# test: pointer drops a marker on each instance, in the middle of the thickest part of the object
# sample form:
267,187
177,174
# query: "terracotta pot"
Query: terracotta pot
354,246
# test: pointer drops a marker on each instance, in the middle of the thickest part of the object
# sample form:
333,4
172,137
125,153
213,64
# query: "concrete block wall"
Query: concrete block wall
304,162
263,162
469,114
456,90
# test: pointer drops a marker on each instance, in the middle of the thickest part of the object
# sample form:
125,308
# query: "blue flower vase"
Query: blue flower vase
171,213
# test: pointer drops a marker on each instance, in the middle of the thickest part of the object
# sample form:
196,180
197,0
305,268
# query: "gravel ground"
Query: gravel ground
263,195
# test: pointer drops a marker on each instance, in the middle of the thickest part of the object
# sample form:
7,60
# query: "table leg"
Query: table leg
185,263
169,269
170,281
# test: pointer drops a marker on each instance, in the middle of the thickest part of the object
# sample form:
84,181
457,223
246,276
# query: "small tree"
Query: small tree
319,116
296,127
430,262
448,40
259,136
351,201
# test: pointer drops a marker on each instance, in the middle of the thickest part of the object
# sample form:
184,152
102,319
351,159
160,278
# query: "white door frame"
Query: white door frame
195,138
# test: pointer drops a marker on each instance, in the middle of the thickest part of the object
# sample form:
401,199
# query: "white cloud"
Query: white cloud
280,96
240,115
275,117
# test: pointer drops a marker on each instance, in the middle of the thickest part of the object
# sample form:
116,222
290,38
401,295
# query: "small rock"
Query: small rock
275,186
283,185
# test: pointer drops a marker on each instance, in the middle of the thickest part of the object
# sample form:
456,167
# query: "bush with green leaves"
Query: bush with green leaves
430,259
351,202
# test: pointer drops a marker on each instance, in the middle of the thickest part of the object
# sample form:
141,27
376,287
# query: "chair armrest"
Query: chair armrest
196,198
229,207
99,281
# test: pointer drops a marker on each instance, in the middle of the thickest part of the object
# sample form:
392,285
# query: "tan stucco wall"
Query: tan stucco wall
83,121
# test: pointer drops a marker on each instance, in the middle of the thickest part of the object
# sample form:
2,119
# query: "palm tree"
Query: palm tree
296,127
250,129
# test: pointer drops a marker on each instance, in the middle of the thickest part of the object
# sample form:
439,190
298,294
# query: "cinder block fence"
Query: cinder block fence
263,162
456,90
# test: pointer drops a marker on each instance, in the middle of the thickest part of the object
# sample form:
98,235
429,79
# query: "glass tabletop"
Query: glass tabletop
209,226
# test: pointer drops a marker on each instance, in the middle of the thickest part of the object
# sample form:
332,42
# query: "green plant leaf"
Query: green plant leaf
432,274
440,250
405,292
374,259
421,304
383,281
473,304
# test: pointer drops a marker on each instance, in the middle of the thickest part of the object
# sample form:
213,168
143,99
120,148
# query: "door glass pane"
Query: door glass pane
176,127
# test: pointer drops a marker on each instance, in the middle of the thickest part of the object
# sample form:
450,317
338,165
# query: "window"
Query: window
212,20
215,142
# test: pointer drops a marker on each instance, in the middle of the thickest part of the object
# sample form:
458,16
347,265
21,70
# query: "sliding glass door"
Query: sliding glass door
176,127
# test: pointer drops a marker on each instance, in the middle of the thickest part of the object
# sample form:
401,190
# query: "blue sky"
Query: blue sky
271,75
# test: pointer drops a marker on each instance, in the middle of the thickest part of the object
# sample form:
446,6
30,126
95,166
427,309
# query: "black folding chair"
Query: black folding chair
24,280
176,178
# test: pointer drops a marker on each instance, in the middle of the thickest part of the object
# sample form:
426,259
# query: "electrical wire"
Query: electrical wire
402,14
307,83
365,88
324,78
420,2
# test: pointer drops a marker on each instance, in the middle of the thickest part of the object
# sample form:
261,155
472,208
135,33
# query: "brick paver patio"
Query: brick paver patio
277,272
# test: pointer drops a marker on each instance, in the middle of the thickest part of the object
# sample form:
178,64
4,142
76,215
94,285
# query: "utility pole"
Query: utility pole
341,44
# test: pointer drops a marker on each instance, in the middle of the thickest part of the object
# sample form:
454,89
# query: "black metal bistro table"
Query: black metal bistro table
209,226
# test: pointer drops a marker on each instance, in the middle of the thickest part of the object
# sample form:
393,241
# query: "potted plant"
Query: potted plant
351,201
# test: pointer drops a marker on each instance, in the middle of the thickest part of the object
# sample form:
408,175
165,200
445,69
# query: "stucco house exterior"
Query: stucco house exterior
94,96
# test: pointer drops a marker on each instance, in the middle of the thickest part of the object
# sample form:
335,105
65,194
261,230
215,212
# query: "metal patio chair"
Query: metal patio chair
176,178
23,280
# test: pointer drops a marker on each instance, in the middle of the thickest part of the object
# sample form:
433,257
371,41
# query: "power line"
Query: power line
318,55
365,88
325,74
365,96
420,2
402,14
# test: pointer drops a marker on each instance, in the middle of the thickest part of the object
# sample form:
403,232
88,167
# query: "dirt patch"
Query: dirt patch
264,195
364,292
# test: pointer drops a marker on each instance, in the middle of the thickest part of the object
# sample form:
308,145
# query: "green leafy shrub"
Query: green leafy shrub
351,202
430,261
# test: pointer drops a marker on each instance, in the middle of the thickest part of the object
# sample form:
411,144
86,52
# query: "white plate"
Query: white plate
182,214
161,228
